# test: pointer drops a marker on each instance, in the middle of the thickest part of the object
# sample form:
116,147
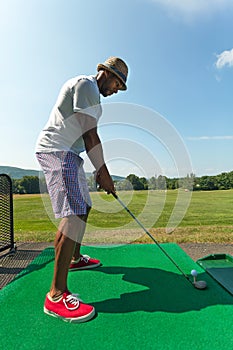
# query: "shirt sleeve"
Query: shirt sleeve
86,98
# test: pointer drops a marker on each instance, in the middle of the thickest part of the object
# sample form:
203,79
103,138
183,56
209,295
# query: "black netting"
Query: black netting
6,213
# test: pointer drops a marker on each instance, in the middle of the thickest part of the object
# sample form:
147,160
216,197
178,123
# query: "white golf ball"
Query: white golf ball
194,273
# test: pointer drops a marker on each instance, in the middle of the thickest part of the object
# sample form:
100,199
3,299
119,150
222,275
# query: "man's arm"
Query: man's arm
94,151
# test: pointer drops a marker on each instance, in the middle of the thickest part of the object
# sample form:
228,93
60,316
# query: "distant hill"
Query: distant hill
18,173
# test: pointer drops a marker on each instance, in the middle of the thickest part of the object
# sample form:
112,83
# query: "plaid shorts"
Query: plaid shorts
66,183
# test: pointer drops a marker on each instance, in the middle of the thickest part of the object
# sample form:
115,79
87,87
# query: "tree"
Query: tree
17,187
172,184
152,183
31,184
144,181
124,185
208,183
188,182
161,183
224,181
135,181
28,184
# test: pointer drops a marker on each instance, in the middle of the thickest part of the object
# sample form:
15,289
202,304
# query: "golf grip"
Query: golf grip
149,234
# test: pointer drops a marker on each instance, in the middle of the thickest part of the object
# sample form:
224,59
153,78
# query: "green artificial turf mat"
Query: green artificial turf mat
142,301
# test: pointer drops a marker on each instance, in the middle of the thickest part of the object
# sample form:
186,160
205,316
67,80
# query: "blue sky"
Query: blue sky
180,55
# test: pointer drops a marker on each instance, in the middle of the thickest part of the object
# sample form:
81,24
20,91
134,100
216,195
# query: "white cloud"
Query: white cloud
204,138
225,59
190,9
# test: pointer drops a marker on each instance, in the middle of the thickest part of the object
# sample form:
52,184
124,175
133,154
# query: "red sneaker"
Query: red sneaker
69,308
84,263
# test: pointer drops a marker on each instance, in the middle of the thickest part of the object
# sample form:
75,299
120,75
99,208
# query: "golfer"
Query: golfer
70,130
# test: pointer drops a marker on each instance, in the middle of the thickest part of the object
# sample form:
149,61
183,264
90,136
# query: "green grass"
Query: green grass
208,218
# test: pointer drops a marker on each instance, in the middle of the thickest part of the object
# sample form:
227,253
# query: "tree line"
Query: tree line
223,181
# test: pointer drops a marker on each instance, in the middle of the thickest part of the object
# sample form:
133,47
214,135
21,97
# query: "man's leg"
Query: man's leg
60,302
70,232
82,262
76,254
64,248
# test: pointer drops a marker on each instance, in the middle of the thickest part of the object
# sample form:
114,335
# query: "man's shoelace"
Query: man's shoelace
85,258
73,300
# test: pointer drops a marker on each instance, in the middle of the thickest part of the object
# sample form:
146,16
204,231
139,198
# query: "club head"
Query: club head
200,284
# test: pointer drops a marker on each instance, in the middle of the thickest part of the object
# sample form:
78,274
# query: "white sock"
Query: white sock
54,299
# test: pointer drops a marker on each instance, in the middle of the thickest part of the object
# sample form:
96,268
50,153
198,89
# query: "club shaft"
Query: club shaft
150,235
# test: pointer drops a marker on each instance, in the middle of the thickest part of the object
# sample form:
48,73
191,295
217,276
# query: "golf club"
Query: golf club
195,283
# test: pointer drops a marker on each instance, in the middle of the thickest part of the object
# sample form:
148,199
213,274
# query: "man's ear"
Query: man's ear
107,74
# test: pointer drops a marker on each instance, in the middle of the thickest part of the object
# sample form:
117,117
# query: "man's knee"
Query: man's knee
73,226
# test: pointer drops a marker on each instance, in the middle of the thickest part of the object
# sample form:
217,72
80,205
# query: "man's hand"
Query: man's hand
104,180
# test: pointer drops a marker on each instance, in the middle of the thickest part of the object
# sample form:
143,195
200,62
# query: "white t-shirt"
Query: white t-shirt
62,131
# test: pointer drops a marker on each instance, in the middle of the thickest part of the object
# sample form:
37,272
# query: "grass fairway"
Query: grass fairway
208,218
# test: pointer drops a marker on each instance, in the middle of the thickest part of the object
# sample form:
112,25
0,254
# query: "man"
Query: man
71,129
